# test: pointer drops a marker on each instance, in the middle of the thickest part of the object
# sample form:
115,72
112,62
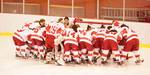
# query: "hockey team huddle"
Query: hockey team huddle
64,42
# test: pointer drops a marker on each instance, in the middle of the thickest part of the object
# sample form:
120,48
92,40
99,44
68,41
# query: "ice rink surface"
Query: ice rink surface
9,65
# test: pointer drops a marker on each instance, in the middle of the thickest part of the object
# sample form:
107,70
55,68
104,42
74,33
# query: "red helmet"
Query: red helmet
116,23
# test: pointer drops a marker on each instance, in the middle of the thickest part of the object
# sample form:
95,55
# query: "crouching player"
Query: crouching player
70,45
36,40
85,42
131,45
20,38
110,44
52,39
100,35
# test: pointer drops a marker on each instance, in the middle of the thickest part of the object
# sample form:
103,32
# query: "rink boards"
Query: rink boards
10,22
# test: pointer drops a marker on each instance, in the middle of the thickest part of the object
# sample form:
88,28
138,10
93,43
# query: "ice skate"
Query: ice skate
77,61
139,61
41,57
18,55
46,62
94,60
35,56
90,62
60,62
117,61
104,62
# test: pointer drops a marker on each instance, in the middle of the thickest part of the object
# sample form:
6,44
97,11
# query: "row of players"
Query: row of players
41,41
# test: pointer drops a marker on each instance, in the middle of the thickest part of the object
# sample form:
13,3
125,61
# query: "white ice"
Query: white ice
9,65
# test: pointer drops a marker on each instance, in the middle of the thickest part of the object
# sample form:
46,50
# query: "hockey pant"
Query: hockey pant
131,49
110,45
38,48
97,47
86,50
21,47
71,48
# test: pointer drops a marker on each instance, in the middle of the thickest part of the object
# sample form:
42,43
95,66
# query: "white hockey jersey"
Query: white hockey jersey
86,36
55,29
70,36
101,33
22,32
37,34
130,34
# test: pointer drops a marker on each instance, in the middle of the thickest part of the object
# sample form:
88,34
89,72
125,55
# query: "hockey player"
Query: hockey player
70,45
36,40
110,44
20,38
131,44
53,38
117,26
66,21
85,41
49,43
77,19
100,35
53,31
